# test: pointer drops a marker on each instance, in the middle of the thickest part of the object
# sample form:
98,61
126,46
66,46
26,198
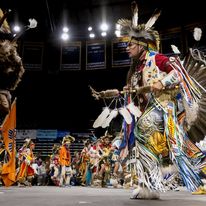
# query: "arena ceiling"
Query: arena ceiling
79,14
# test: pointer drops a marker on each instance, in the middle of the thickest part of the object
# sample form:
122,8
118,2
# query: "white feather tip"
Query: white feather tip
101,118
197,33
175,49
125,113
32,23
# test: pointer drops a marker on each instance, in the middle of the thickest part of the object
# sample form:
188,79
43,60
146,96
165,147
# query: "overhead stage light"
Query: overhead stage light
89,28
65,36
17,28
104,27
65,29
104,33
91,35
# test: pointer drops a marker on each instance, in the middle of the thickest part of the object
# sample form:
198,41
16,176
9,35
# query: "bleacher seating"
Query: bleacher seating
44,147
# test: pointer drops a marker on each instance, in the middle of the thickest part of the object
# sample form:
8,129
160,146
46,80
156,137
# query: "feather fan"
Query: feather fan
101,118
111,116
134,110
125,113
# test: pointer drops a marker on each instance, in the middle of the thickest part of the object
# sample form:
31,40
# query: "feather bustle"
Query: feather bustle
194,134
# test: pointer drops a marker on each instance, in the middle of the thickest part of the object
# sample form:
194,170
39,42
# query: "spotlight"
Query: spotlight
65,36
104,33
65,29
91,35
89,28
17,28
104,27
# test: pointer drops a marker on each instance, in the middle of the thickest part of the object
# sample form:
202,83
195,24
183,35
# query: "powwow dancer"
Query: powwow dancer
84,161
54,165
167,93
26,158
11,70
65,161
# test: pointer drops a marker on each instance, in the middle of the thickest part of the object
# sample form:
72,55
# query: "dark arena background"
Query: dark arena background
54,92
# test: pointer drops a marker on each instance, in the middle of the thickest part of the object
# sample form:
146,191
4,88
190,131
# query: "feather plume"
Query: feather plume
144,193
32,23
197,34
152,20
134,9
134,110
101,118
191,113
125,113
175,49
111,116
125,25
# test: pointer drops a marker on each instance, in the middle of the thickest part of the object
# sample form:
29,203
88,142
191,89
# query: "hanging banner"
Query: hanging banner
71,56
26,133
33,56
62,133
46,134
95,55
120,57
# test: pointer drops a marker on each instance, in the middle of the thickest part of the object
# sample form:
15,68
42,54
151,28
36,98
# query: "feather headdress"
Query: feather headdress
143,33
68,139
28,142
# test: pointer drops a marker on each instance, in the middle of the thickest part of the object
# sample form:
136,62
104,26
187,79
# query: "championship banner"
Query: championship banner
95,55
33,56
120,57
48,134
8,131
71,56
25,133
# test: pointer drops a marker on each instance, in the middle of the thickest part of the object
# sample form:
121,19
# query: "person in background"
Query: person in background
26,158
54,167
65,161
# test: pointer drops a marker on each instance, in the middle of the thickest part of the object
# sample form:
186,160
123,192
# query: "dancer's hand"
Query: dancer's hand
157,87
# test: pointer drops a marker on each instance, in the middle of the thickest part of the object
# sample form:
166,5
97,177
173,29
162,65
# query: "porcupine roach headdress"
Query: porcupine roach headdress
142,34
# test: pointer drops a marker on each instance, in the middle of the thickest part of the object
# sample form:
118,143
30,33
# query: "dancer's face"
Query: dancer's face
134,50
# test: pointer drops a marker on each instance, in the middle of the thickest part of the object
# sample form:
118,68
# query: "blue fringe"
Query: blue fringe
190,178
